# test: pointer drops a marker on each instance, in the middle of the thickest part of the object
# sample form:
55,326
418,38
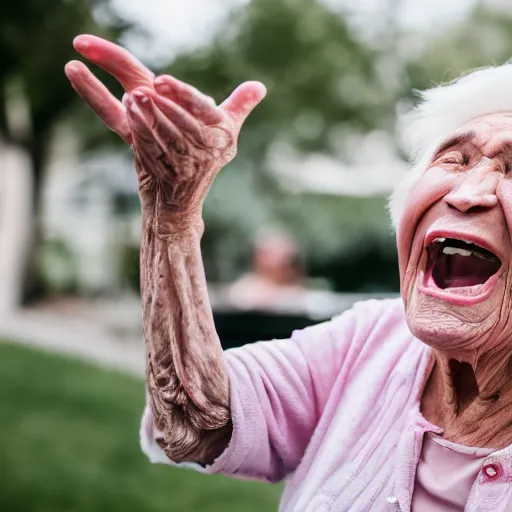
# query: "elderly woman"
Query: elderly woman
394,405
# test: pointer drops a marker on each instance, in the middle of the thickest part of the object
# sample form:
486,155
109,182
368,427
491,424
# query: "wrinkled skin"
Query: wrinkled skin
180,140
467,190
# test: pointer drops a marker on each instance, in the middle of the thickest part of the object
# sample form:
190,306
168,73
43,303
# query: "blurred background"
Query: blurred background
296,227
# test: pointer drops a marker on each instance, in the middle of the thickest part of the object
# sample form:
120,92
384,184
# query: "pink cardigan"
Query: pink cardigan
335,411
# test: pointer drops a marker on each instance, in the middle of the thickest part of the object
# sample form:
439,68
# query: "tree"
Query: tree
323,83
35,43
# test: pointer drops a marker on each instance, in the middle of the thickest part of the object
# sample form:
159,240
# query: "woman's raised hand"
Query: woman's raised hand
180,138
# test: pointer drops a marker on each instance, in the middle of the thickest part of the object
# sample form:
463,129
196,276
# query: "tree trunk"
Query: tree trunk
32,284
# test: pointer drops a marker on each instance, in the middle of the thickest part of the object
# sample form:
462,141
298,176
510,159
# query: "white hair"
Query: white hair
443,110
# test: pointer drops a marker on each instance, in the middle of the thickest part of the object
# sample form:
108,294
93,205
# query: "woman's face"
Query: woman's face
454,242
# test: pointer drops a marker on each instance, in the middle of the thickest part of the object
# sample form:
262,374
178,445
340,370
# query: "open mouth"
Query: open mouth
454,263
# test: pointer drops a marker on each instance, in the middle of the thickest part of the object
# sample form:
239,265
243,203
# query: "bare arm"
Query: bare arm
187,383
181,140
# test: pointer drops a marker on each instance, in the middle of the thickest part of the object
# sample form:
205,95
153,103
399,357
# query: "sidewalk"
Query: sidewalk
91,333
108,332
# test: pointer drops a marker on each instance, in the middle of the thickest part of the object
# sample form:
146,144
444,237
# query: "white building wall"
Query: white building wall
15,222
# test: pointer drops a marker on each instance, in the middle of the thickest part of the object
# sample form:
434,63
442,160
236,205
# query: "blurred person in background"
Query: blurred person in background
396,404
275,280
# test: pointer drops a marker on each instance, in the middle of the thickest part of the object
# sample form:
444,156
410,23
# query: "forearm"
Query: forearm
181,139
187,381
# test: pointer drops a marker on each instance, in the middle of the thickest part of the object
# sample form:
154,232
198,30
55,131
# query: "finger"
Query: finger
115,60
243,99
163,129
144,143
108,108
193,101
179,117
151,138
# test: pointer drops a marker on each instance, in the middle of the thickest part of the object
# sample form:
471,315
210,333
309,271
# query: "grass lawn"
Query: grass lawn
69,443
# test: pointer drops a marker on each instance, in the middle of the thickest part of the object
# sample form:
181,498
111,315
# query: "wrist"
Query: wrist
174,227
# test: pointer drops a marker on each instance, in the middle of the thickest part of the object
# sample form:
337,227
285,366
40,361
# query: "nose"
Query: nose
477,189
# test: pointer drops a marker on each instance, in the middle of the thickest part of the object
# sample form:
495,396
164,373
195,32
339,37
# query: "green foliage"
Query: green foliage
318,74
35,44
57,266
36,40
322,82
69,442
129,269
484,39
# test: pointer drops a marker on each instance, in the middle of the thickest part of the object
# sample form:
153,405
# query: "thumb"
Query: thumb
243,99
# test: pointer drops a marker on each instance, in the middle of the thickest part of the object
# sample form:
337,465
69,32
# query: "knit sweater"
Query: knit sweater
335,410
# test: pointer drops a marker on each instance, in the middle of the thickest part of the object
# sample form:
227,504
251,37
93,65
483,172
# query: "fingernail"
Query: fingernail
141,97
127,100
71,67
162,87
80,44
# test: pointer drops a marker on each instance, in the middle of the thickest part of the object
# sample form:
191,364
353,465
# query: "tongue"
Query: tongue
455,271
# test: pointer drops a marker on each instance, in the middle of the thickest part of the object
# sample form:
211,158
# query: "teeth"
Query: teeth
465,252
456,250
